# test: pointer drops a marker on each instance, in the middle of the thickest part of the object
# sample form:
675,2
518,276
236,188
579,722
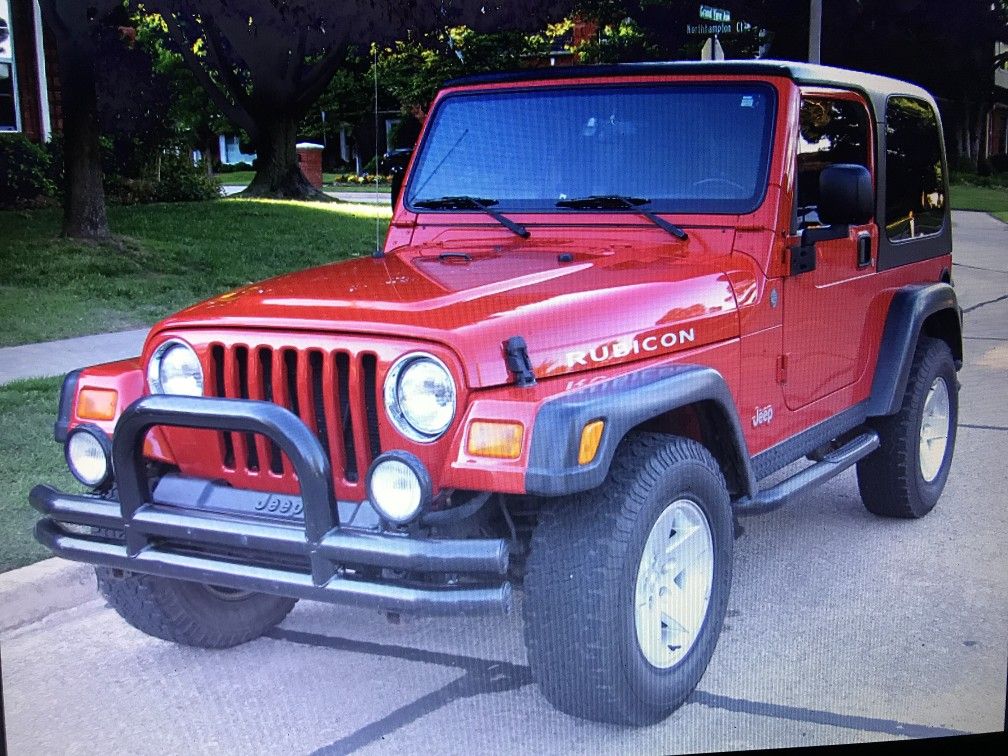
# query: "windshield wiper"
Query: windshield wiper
620,202
473,203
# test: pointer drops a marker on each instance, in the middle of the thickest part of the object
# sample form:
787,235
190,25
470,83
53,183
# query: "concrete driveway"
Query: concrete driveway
842,628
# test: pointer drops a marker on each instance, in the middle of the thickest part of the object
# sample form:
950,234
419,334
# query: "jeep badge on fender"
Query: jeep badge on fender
567,371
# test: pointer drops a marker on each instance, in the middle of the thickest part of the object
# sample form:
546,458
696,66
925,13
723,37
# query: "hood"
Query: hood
578,306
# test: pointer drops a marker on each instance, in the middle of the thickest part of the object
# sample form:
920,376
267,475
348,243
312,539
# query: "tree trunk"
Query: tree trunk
84,197
278,174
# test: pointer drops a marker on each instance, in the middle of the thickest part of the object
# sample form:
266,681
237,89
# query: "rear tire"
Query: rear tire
605,641
905,476
190,613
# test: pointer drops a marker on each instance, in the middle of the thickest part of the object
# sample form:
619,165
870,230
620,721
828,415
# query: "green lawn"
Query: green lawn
169,256
30,456
244,178
982,198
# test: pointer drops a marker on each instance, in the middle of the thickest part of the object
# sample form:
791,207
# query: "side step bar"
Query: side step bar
828,467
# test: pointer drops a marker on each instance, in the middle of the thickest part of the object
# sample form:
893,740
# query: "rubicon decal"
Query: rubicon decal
618,349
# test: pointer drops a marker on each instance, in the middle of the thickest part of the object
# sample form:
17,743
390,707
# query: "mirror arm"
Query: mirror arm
803,255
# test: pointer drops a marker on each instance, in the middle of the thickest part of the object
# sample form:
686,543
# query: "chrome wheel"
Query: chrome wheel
934,429
674,581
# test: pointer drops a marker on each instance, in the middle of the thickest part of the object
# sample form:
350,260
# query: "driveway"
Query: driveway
842,628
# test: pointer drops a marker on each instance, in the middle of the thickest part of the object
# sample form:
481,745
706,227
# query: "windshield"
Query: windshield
685,148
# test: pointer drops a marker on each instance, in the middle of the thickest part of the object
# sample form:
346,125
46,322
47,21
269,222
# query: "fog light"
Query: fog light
88,455
399,486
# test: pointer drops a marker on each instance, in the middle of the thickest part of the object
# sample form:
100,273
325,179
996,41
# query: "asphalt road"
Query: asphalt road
842,628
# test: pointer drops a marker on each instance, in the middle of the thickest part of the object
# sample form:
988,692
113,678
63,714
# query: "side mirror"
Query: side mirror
397,160
846,198
845,195
397,181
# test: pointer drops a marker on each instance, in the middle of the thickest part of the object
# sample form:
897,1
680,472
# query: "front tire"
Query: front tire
627,585
907,473
190,613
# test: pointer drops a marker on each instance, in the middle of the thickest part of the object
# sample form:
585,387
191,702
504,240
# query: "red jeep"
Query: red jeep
612,301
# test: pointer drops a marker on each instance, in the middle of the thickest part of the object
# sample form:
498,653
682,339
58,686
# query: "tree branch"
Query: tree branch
318,77
235,86
236,113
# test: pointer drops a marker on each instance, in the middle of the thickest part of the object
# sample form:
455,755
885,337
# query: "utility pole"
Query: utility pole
814,30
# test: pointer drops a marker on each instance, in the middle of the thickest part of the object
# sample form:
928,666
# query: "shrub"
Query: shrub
24,172
234,167
999,163
181,181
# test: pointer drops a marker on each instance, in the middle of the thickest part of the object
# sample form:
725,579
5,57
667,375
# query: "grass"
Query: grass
983,198
31,456
244,178
168,256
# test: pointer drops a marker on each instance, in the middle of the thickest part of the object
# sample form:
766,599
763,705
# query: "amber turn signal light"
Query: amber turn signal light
495,439
591,435
97,404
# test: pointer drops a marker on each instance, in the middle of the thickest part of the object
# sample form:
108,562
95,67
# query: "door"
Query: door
825,308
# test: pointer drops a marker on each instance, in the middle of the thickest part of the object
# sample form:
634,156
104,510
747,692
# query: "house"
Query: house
29,85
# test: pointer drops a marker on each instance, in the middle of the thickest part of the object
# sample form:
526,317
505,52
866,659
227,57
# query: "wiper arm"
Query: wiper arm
473,203
620,202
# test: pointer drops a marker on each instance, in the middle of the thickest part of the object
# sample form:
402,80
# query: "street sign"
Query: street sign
717,21
717,15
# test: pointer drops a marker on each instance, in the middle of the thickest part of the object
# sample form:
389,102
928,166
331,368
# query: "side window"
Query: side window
915,185
8,93
831,132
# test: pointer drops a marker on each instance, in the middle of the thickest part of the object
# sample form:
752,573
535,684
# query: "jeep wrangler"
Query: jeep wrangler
611,303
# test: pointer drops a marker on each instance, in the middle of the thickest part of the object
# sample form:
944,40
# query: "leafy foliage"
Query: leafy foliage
25,172
264,65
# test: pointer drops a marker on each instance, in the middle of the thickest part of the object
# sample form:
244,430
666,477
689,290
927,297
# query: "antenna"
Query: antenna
378,251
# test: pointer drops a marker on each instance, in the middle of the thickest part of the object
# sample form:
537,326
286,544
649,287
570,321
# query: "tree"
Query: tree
950,53
414,69
77,28
265,63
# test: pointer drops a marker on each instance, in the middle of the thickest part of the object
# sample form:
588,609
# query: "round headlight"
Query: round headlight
420,396
398,486
174,368
88,456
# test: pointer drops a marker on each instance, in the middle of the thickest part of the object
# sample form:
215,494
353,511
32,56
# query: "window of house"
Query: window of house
830,132
8,90
915,183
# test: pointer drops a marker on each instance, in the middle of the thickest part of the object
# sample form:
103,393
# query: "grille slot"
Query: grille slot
346,424
370,363
333,392
241,364
227,443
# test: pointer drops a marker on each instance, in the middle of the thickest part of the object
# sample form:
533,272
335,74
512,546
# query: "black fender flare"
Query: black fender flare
624,403
64,413
911,306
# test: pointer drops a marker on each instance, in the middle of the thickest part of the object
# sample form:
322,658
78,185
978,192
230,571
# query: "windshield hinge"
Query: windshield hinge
518,362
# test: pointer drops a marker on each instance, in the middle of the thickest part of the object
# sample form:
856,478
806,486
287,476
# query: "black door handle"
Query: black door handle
864,258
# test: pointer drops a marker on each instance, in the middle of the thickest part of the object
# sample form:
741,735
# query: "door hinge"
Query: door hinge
782,368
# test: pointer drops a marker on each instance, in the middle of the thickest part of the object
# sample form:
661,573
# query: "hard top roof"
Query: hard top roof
873,85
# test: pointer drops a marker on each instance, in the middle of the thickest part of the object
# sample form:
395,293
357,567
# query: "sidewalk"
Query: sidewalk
368,198
59,357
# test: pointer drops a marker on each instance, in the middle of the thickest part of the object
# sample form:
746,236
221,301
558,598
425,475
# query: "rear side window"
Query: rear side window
830,132
915,183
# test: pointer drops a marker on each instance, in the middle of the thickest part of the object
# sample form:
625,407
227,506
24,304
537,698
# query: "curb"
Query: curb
29,594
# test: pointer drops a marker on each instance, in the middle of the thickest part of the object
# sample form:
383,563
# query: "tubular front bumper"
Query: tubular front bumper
318,559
